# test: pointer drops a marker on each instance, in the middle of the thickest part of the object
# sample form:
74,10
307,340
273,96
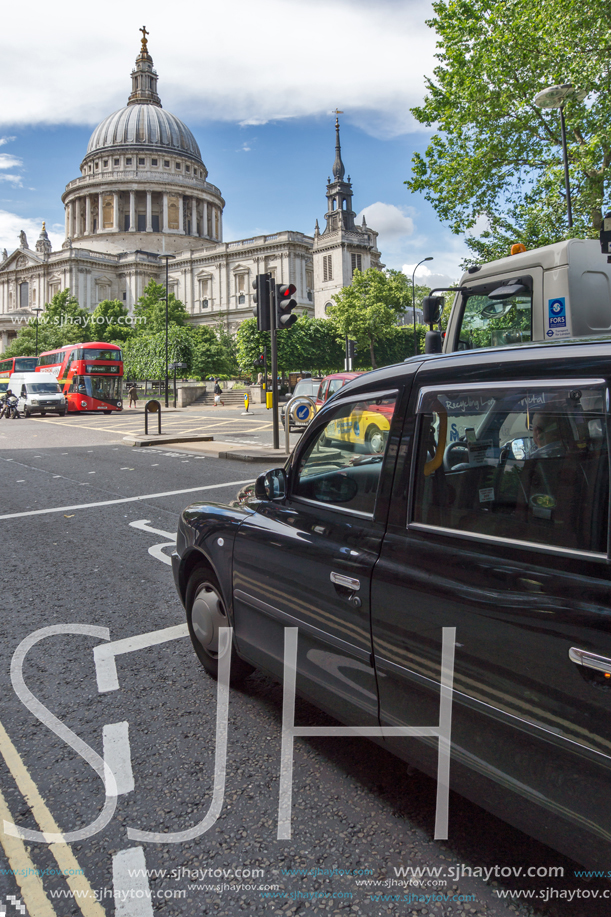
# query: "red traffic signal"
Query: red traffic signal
285,305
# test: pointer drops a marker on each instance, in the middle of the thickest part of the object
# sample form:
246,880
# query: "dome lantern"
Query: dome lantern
144,77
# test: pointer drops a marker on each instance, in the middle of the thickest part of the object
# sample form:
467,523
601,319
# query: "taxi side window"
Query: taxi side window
342,465
524,464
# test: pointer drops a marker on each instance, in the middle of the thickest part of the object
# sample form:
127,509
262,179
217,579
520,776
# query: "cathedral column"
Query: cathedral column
88,215
193,216
165,211
149,211
67,217
132,211
181,214
115,211
205,220
220,225
100,212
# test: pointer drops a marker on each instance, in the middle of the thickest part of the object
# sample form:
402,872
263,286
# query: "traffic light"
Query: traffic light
285,305
260,361
352,349
261,286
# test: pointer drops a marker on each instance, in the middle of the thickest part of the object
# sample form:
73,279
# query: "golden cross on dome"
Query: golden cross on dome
144,34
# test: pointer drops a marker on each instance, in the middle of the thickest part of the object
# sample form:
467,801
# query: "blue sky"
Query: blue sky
263,121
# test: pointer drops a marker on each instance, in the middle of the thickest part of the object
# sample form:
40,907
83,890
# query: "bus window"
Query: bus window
495,322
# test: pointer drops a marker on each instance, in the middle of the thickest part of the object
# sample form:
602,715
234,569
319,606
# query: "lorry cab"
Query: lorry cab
550,293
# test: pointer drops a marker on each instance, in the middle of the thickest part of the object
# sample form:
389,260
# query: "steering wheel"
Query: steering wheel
448,464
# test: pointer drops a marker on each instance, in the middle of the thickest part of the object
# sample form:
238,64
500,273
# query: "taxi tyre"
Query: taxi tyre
204,604
375,439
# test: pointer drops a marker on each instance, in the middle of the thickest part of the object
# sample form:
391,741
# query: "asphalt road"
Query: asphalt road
86,525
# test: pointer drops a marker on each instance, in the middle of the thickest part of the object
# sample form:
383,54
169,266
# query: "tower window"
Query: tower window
154,162
97,165
128,161
166,163
105,163
141,162
187,168
116,162
178,165
327,268
356,263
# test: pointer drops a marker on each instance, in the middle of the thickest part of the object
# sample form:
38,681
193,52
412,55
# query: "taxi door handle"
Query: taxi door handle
590,660
349,582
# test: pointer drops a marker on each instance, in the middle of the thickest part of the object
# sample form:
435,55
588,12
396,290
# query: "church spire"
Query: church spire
338,166
144,78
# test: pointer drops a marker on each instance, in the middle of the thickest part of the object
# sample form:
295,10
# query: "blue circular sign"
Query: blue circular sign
303,411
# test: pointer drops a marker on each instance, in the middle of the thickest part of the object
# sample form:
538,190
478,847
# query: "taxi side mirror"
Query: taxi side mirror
432,307
271,485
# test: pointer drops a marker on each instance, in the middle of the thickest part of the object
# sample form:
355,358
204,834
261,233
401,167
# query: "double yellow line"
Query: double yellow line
18,855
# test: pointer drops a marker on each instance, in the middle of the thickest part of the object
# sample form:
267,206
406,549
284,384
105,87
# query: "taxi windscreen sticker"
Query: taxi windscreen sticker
558,324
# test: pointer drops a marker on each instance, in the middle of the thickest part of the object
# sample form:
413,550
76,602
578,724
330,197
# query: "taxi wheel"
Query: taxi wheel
375,439
205,615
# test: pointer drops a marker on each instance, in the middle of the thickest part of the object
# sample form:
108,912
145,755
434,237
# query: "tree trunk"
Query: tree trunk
373,356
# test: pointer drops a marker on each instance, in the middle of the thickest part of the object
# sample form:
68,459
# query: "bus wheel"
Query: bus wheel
108,412
205,614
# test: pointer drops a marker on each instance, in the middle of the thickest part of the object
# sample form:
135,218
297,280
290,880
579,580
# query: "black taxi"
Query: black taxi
459,571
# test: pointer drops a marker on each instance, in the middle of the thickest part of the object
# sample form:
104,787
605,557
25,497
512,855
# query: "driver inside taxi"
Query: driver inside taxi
546,434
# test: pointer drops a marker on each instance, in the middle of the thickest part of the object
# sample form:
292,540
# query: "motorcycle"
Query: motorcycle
11,409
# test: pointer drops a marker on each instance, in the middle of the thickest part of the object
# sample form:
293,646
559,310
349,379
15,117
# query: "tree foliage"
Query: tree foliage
367,310
310,344
111,321
62,322
149,311
495,154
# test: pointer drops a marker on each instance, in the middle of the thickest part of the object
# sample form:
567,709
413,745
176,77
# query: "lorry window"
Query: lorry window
495,322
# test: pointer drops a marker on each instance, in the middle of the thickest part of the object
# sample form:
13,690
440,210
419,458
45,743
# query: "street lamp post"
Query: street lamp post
167,259
430,258
37,311
555,97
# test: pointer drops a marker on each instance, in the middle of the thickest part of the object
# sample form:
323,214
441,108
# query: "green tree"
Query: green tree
367,310
109,322
144,354
149,311
494,153
211,355
310,344
62,322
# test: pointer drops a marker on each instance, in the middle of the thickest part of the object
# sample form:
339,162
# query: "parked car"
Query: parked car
307,386
332,384
487,512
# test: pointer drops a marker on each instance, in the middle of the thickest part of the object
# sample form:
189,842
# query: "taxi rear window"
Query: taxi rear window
526,462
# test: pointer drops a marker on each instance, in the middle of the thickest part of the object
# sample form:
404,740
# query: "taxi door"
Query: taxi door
306,561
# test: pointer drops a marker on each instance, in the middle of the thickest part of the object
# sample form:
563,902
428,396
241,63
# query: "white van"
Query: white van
38,393
554,292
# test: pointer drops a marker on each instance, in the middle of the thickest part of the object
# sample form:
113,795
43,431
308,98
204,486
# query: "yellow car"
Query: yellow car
361,427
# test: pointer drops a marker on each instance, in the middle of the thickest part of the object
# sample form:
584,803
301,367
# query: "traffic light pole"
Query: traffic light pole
272,321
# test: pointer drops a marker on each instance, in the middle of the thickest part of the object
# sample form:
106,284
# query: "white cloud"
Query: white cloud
75,68
392,223
11,225
4,140
9,162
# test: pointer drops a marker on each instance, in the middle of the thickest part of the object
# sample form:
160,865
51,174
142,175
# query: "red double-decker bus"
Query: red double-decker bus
90,375
15,365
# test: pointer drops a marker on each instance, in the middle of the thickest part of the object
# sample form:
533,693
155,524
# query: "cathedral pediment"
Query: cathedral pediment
20,259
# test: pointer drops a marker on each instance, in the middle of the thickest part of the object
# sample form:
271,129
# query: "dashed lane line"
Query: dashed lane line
24,871
142,497
64,857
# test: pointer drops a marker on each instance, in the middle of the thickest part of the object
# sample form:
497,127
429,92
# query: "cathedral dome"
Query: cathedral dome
142,124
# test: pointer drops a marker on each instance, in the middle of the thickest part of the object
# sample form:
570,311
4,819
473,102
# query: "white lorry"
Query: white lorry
38,393
558,291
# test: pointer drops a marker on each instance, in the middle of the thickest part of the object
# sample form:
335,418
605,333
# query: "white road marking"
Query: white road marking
167,493
132,894
144,525
156,551
104,654
118,757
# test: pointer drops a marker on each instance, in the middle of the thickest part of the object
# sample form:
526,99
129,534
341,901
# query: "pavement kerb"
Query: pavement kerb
205,444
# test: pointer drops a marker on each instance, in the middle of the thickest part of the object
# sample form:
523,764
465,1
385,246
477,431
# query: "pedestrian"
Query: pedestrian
218,391
133,395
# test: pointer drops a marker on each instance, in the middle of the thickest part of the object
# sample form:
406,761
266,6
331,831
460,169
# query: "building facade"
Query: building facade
143,191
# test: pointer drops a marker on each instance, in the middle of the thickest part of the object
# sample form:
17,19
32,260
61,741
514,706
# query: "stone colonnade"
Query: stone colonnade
143,211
